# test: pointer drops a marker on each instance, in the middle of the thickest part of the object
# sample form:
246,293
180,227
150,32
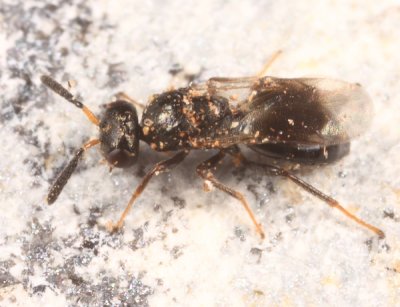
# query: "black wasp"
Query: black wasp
304,120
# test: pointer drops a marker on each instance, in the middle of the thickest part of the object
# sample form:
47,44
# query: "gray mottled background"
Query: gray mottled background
181,246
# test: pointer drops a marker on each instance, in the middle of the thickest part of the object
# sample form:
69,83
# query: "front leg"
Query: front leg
157,169
204,170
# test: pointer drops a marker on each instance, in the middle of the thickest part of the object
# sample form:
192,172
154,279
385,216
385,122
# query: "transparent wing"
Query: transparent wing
347,105
304,111
236,90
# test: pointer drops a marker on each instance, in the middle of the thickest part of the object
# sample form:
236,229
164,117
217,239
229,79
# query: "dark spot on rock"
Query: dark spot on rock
239,233
39,289
176,252
179,202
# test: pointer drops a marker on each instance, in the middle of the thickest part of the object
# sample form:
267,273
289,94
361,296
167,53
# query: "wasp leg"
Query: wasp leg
204,171
159,168
269,63
124,96
64,176
277,171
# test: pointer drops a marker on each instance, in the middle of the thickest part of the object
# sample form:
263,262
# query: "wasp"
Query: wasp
303,120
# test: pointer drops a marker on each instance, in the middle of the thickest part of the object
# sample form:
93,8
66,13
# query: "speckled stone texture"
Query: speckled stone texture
181,246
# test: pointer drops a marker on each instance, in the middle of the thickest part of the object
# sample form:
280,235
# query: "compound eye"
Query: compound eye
121,158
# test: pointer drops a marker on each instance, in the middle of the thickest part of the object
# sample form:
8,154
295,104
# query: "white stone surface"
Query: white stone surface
181,246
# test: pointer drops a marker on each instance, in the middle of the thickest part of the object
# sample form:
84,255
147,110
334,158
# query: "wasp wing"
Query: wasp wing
236,90
303,111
